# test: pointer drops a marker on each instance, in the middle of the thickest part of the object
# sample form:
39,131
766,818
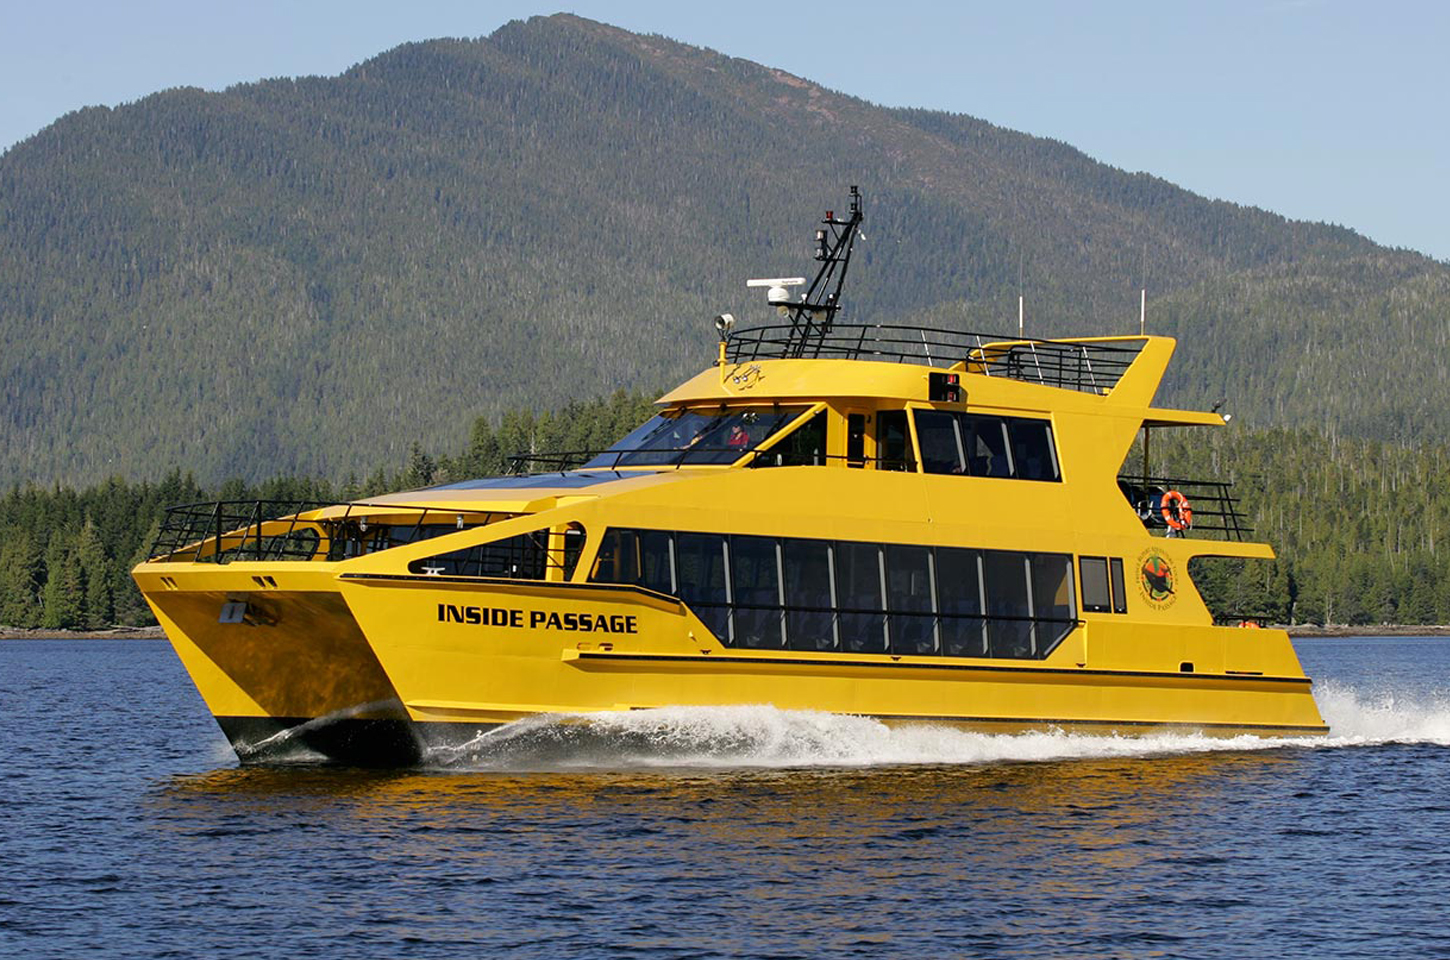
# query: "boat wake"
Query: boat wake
765,737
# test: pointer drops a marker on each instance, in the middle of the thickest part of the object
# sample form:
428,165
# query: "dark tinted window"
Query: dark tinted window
755,586
809,619
521,557
1009,604
768,593
712,435
959,599
805,446
986,442
700,572
1032,451
1096,598
640,557
858,592
940,440
1120,599
855,439
893,442
909,598
1052,604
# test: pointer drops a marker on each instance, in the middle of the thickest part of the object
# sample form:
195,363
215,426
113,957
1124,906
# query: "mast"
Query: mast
811,317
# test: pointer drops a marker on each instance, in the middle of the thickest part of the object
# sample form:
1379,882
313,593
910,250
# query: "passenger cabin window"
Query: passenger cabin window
810,620
755,584
700,560
769,593
805,446
978,445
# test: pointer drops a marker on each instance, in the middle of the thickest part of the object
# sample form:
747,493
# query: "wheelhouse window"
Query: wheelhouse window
979,445
805,446
761,592
696,436
893,441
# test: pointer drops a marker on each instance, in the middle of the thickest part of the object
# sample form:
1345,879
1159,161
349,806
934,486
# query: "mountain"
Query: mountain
309,275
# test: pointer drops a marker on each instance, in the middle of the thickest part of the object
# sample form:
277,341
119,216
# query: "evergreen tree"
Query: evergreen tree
20,578
64,592
95,570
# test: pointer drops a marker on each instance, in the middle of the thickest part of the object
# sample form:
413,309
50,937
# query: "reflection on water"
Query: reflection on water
995,850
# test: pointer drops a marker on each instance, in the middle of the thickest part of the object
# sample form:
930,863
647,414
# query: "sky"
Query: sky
1327,110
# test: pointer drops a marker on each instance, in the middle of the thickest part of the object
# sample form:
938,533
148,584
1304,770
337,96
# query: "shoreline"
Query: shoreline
1296,630
110,633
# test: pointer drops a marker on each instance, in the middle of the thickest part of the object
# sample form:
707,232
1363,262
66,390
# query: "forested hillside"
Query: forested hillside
304,277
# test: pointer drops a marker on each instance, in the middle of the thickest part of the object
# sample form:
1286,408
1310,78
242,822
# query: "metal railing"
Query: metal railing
527,464
1216,512
225,531
1088,366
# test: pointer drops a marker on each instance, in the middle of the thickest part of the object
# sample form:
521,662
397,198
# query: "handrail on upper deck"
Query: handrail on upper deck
1089,365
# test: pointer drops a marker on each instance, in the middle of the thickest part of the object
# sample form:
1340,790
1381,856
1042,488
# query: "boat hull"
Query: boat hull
396,670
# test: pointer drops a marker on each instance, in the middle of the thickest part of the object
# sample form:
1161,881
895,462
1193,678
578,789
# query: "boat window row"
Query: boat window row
525,556
852,597
979,445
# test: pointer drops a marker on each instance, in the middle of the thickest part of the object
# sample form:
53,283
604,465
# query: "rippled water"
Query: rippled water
129,830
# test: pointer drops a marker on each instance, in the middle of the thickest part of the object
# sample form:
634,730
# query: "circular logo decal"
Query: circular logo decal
1156,579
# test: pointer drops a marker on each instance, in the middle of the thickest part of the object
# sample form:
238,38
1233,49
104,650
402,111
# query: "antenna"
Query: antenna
778,296
1143,295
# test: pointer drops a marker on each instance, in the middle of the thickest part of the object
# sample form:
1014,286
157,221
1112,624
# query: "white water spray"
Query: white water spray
765,737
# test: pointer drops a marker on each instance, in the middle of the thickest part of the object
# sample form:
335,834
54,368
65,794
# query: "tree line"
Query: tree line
66,555
1359,525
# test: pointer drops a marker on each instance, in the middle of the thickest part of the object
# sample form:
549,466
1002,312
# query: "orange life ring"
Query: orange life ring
1177,511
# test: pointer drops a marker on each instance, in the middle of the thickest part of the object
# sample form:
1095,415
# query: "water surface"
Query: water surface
130,831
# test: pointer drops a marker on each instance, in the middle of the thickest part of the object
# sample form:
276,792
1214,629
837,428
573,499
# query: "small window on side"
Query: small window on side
1096,597
855,439
1120,596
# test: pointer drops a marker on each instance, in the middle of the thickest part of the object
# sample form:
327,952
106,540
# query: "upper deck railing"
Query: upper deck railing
1216,511
1089,366
230,530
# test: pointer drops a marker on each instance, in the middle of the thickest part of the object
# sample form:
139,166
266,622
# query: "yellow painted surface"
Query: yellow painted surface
364,628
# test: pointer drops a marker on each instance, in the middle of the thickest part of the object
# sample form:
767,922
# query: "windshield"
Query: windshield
713,435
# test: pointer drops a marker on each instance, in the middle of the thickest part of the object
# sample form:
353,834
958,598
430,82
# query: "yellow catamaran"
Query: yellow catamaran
912,524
